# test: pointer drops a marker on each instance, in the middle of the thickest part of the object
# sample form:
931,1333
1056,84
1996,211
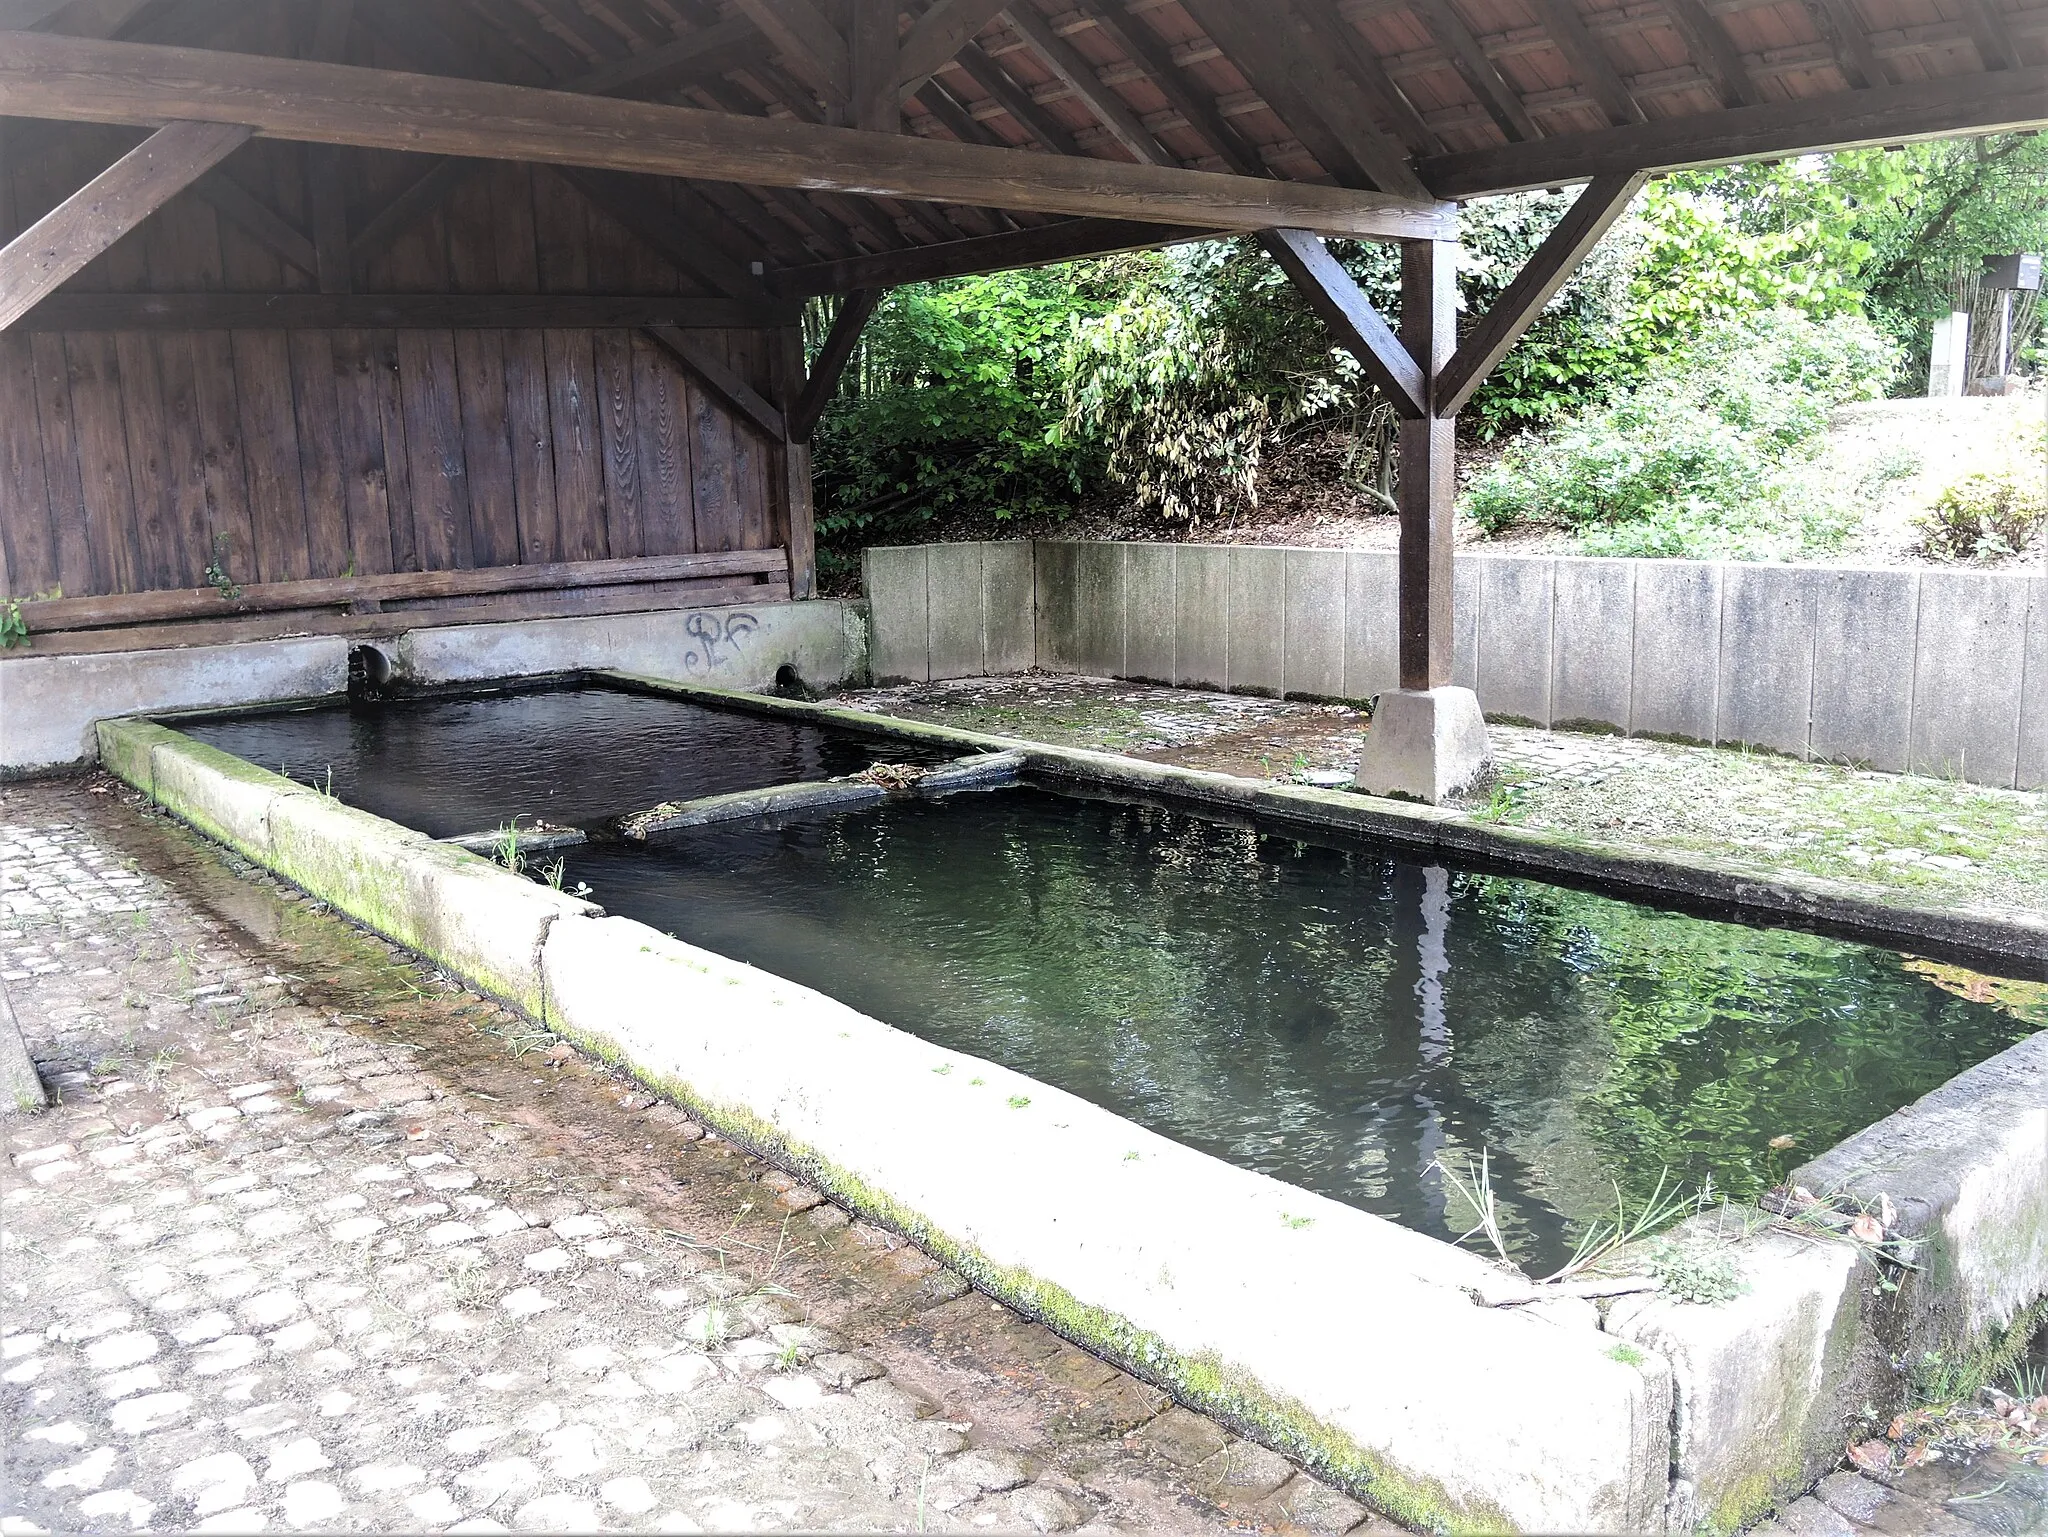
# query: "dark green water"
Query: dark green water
1336,1018
450,766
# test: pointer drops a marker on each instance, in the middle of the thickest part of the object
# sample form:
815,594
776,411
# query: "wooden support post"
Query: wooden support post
323,161
70,235
795,516
1428,487
871,47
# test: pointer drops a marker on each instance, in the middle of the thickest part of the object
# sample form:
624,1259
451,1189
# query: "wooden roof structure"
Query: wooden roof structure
531,239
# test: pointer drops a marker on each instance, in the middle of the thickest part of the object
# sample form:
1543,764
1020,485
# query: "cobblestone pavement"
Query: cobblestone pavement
1940,840
315,1239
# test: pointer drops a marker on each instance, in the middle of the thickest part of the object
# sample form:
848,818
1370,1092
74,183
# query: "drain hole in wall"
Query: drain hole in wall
369,671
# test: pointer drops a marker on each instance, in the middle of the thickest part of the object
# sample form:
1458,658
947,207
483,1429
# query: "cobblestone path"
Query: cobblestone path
315,1239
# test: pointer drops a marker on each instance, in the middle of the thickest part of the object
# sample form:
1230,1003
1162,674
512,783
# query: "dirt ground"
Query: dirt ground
315,1238
1940,840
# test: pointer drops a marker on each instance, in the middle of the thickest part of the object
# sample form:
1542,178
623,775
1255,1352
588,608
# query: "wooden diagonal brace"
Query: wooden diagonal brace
1349,314
718,375
1603,201
840,342
70,235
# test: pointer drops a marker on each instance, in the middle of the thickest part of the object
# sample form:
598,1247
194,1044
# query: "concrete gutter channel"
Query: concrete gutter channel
1335,1336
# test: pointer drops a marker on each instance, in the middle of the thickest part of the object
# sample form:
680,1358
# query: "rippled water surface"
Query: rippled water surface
1337,1018
453,766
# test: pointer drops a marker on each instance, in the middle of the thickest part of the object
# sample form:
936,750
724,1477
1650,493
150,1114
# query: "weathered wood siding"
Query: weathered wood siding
125,456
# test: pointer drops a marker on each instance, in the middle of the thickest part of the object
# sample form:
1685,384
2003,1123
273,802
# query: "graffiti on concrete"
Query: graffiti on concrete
720,638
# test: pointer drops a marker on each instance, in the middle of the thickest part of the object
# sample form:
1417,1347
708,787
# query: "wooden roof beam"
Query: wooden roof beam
1714,52
1993,39
809,44
1015,100
1582,52
1838,23
1481,75
74,80
1149,52
2004,101
937,38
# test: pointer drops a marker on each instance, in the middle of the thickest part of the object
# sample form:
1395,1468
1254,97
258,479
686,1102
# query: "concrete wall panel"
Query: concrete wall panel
896,583
1258,620
1372,624
1009,616
1058,567
1313,662
2033,772
1513,627
1468,602
1967,675
1673,677
1201,616
1592,642
1766,686
49,704
1863,641
955,612
1149,611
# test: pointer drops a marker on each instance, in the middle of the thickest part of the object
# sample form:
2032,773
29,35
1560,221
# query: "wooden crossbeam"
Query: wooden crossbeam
1350,315
397,312
60,614
809,408
2004,101
936,37
65,239
1079,76
1067,240
75,80
1547,271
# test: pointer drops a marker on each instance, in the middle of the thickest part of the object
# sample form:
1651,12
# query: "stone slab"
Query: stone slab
1592,649
21,1087
1967,675
1258,621
2033,765
1767,1383
1863,645
896,583
1966,1168
1149,618
751,806
955,612
50,704
1009,574
1039,1200
1372,624
1057,567
1677,635
1468,599
1765,694
1516,602
1081,608
1312,657
1201,616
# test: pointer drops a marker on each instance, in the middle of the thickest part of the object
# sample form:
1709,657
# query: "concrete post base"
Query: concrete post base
1425,746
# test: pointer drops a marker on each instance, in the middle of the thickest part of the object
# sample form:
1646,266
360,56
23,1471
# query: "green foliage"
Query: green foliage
1986,516
1691,462
13,628
1694,1270
953,407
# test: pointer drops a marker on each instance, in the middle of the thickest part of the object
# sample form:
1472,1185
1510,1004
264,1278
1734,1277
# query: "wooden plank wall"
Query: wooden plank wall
124,456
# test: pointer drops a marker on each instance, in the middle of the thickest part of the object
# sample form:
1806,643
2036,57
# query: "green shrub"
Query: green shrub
1694,460
1986,516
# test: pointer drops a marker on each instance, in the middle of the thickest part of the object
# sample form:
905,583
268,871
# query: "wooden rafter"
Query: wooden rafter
872,99
1838,23
808,43
1994,40
1715,53
936,37
1014,99
65,239
1480,74
1148,51
1080,77
1333,32
1595,71
2006,101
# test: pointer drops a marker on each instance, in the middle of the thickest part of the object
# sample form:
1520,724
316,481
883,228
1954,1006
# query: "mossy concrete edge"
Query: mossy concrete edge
2008,939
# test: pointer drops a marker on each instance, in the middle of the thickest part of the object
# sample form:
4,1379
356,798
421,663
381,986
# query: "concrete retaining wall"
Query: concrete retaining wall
1936,672
49,704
